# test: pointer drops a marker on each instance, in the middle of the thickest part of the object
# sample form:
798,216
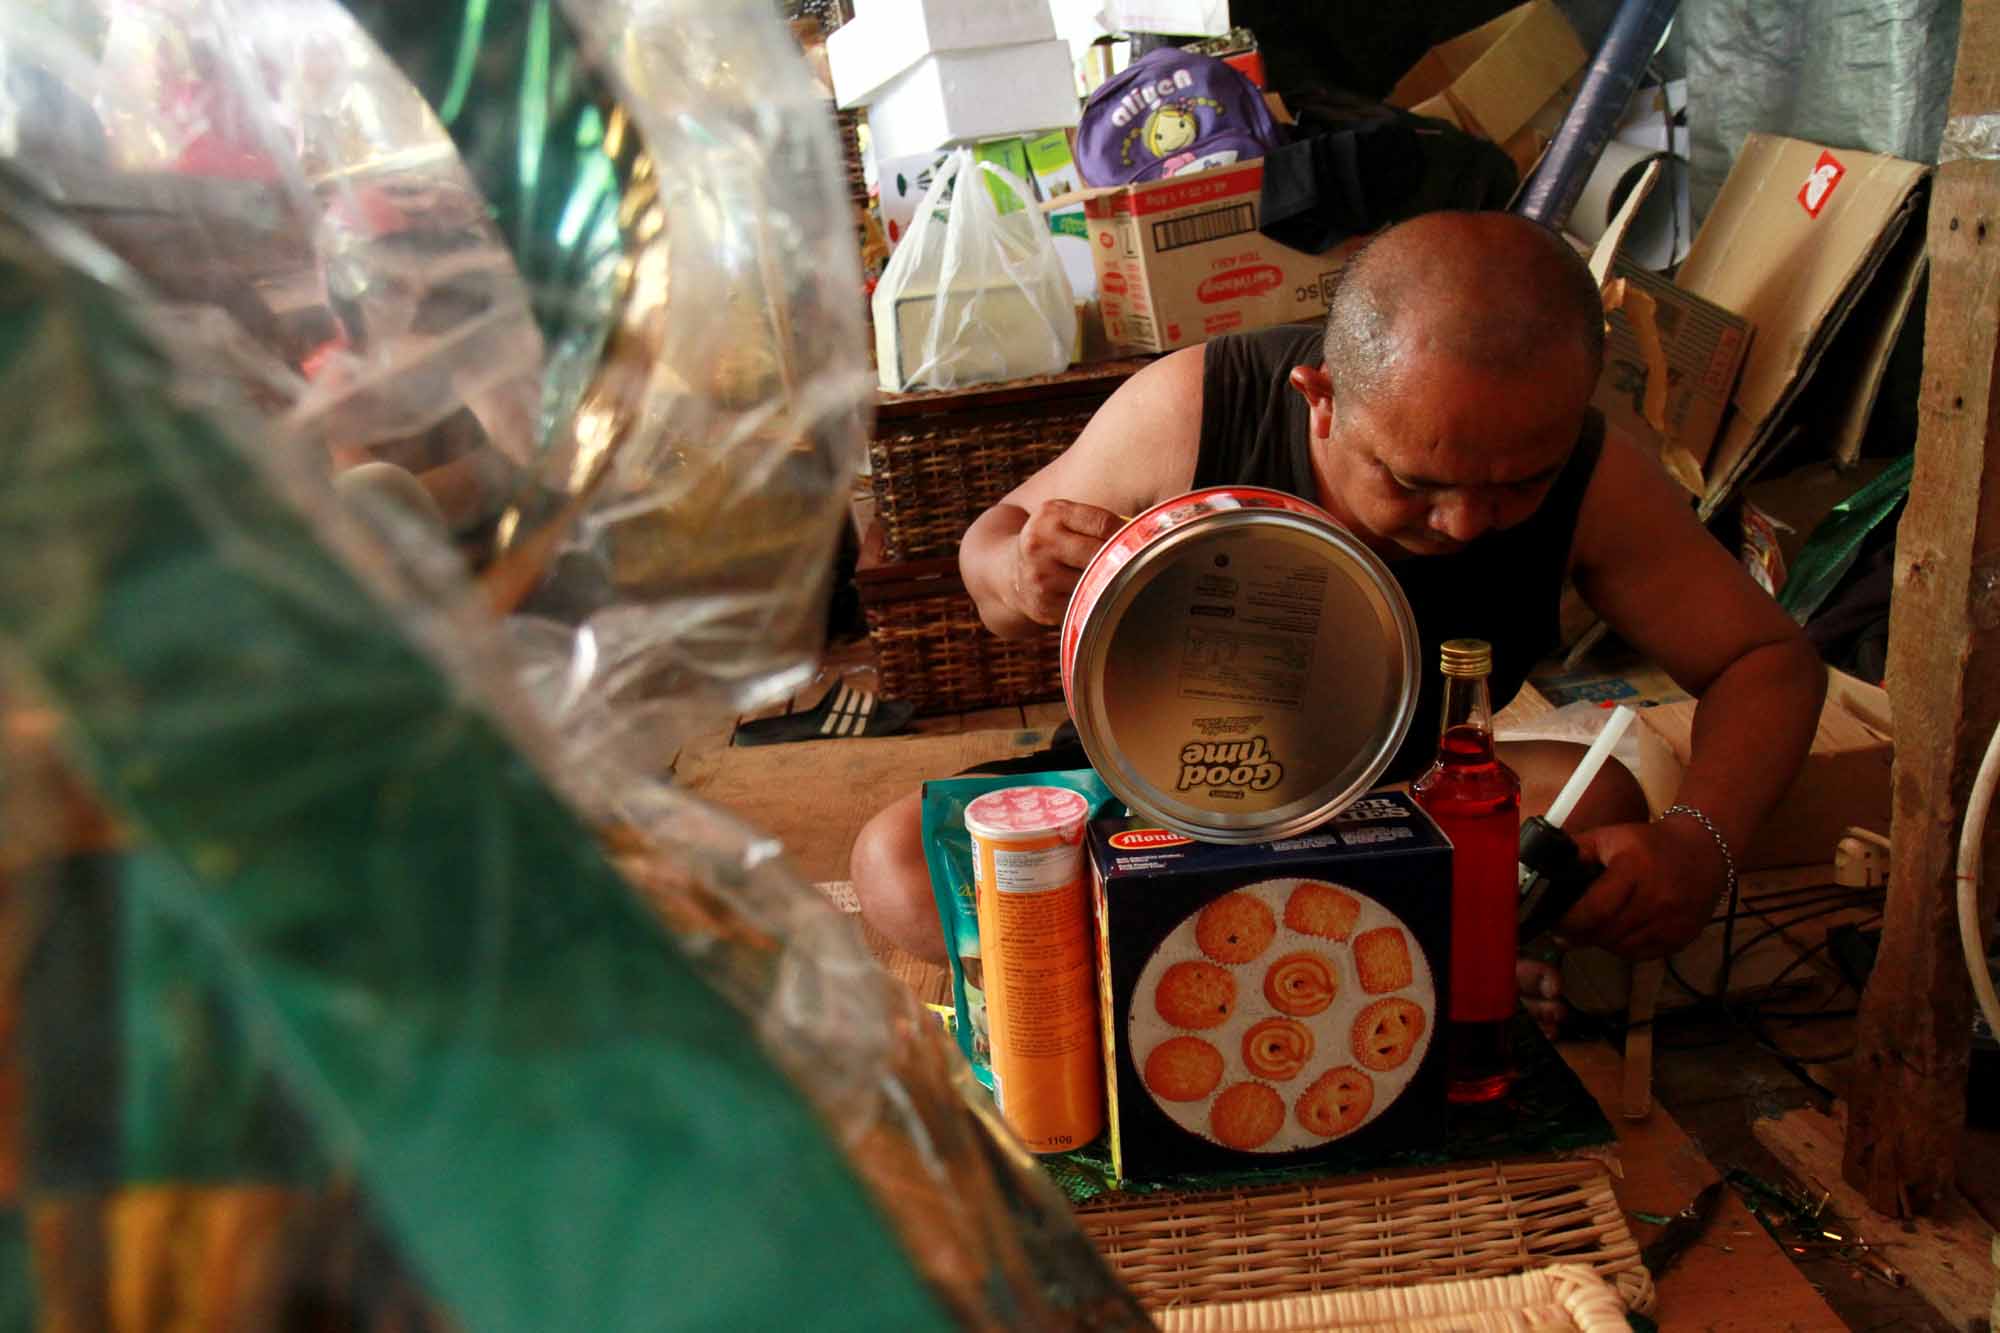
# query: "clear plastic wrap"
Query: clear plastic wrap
424,418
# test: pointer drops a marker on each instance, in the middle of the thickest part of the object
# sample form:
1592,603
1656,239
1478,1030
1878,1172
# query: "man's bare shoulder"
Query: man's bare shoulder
1628,487
1165,395
1138,448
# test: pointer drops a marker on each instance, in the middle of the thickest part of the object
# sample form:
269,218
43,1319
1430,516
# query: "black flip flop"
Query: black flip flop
844,711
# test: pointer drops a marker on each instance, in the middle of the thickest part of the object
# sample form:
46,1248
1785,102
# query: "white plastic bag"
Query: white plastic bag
972,294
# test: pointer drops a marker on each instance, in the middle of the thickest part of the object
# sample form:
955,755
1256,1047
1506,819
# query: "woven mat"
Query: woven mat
1479,1221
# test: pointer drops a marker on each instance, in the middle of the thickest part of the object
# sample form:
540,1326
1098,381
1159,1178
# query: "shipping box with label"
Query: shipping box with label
1795,240
1180,261
1704,346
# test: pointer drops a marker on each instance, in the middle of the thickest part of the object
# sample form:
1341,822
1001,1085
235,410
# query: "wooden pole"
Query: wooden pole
1907,1108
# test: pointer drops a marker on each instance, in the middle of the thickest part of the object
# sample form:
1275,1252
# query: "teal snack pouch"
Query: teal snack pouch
948,853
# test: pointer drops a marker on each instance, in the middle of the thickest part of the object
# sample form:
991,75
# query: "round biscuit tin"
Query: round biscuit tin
1239,667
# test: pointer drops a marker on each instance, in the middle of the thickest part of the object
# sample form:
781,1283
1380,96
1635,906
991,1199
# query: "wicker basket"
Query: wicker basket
1561,1296
939,460
930,647
1481,1221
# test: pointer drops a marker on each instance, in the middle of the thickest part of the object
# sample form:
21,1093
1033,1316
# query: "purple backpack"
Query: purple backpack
1168,113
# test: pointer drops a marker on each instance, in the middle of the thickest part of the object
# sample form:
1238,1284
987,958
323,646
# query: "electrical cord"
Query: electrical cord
1750,1015
1970,838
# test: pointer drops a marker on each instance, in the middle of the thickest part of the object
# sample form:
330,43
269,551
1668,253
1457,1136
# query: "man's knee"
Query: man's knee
893,882
1614,796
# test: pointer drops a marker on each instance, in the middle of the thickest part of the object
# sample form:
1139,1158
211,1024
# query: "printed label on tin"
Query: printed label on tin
1251,631
1248,765
1041,871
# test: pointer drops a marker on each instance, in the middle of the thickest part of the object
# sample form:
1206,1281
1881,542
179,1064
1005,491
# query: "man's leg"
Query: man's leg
893,881
1614,797
1544,766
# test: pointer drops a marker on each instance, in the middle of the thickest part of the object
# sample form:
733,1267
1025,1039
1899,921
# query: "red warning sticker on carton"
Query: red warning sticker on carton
1818,187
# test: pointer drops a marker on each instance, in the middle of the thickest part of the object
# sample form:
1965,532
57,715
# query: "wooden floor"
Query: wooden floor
815,795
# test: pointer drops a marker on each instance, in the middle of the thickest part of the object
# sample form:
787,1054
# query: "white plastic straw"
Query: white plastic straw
1593,759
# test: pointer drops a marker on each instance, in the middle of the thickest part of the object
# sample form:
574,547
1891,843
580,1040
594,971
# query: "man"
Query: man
1443,417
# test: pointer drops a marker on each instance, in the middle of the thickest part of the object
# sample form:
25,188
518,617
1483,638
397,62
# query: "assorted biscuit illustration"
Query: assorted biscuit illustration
1282,1015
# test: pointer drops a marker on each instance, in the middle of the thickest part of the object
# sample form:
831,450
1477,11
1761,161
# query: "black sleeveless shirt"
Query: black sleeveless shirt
1504,587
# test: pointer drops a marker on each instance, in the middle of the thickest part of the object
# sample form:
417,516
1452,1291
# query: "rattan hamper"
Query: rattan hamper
930,647
938,460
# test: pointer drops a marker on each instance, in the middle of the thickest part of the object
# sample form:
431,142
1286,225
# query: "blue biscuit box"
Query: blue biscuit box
1273,1004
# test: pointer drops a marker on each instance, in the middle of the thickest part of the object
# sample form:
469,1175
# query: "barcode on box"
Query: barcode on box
1141,327
1232,220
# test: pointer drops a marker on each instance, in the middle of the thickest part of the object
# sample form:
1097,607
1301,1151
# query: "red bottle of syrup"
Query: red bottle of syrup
1476,800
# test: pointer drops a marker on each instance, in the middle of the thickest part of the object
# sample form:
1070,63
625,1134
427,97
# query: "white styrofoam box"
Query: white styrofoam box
886,37
1178,18
957,25
1081,23
984,94
863,57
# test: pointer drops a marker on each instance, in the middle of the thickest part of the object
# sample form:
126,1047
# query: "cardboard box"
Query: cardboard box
1497,79
1704,346
1641,685
988,93
887,37
1845,780
1277,1003
1793,241
1180,261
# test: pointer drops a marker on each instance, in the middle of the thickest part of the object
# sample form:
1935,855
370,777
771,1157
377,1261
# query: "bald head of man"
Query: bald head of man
1490,290
1460,355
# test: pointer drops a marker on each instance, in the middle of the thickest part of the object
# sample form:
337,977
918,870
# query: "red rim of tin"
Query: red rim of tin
1142,546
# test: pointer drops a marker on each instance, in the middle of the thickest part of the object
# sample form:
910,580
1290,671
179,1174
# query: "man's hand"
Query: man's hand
1656,893
1050,551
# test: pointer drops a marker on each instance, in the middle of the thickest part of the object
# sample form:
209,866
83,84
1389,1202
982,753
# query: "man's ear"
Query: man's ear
1317,388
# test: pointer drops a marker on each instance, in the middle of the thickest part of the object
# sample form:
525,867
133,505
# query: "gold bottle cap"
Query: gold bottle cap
1467,657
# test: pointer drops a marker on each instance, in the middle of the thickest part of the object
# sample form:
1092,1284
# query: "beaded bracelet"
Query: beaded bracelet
1728,894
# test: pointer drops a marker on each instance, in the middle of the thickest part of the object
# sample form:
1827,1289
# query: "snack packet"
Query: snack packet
948,853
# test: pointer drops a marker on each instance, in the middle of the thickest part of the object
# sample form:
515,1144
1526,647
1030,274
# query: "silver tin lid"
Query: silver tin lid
1245,675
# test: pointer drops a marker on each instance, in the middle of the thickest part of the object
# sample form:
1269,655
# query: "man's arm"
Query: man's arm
1021,558
1644,563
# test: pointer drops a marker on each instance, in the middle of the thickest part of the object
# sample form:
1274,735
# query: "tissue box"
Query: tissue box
987,93
1180,260
1272,1004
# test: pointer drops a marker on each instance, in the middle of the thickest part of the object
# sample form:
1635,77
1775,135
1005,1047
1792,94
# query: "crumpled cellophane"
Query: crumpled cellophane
422,418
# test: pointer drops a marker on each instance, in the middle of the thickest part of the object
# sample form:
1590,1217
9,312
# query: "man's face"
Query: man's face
1436,458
